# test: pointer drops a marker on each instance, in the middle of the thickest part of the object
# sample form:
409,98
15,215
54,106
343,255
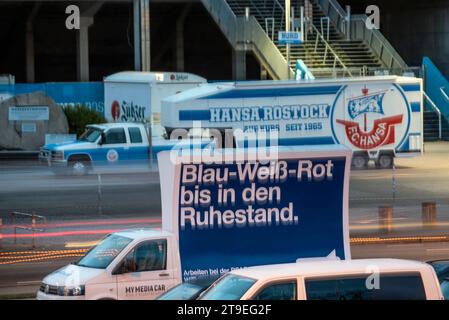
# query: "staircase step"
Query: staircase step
353,53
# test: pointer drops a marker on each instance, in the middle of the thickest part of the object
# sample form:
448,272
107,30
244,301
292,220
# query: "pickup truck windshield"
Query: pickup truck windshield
230,287
90,135
100,256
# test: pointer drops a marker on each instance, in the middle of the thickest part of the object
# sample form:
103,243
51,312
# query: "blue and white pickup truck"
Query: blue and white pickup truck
107,146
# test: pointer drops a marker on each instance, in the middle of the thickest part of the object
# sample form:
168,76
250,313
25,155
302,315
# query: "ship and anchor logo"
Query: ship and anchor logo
382,131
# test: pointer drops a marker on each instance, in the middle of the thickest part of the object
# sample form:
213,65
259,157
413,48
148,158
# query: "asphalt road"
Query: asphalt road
126,199
25,278
28,187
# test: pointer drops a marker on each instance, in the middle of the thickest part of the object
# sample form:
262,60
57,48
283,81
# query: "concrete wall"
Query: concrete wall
11,135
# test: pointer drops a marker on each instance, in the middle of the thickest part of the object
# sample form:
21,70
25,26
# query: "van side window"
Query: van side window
388,287
147,256
115,136
278,291
134,135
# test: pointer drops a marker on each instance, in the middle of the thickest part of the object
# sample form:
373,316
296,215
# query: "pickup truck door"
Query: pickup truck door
143,274
139,150
114,147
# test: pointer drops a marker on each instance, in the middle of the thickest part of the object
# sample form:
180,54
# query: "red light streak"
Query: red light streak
85,223
62,233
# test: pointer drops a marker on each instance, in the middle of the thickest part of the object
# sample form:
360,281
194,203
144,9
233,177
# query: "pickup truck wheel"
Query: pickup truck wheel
79,167
359,162
385,161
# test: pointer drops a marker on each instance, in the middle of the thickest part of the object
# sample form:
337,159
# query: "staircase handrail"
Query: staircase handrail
276,2
335,12
329,47
225,18
358,31
257,9
385,51
253,37
444,93
434,107
264,48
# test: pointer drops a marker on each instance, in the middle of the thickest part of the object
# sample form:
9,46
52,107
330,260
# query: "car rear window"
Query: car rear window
278,291
386,287
134,135
115,136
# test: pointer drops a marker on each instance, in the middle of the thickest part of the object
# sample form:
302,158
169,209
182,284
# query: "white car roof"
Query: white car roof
115,125
143,233
153,77
210,89
326,267
286,83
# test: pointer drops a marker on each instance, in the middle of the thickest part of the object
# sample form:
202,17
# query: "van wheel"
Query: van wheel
385,161
359,162
79,167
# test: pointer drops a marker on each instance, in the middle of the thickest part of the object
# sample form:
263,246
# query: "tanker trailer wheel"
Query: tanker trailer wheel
385,161
359,162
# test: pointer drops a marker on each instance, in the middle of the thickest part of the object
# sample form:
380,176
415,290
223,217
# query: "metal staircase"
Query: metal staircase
269,13
436,102
355,54
365,49
432,126
246,34
328,50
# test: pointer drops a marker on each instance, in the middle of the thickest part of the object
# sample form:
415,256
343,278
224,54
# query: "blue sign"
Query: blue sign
289,37
90,94
244,213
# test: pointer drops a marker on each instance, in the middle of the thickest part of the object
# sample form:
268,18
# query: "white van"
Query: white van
324,279
132,264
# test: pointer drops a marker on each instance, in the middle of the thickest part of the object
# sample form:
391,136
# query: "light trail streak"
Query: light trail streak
64,233
86,223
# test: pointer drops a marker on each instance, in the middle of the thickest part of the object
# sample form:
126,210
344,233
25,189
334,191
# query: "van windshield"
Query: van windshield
90,135
100,256
230,287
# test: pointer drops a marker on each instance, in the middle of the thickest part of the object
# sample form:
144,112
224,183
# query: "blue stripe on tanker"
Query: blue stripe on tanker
410,87
281,92
192,115
294,142
415,106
